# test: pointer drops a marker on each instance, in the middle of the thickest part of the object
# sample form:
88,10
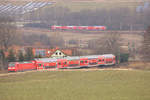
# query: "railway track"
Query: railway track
86,69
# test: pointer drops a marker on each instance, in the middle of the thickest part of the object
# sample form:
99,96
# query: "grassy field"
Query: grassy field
77,85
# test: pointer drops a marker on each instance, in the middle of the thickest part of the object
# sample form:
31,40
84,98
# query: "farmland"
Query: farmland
126,36
76,85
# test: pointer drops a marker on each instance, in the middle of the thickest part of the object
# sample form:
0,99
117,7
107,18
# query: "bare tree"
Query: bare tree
109,44
146,46
92,44
7,33
7,37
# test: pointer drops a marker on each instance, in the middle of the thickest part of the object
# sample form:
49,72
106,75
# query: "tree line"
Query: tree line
20,56
119,18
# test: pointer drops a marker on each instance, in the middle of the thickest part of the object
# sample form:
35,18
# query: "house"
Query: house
54,53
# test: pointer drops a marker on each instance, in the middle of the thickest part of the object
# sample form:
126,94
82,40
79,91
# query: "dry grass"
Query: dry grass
139,65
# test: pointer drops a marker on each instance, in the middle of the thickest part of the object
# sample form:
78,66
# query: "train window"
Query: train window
59,63
73,64
81,61
99,60
12,65
65,62
47,67
85,61
39,64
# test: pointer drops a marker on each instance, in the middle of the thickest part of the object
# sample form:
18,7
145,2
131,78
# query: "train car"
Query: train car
109,59
66,62
46,63
21,66
62,63
55,27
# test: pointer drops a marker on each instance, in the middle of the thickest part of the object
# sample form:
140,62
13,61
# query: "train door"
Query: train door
84,62
62,63
114,60
19,67
40,66
93,62
101,61
109,61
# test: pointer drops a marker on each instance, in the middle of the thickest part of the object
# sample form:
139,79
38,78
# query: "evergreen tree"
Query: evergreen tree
20,56
11,56
29,54
38,56
146,45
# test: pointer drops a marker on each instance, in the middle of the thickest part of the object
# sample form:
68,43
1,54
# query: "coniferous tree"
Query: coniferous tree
11,56
20,56
29,54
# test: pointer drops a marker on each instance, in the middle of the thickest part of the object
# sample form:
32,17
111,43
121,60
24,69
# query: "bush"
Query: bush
11,56
124,57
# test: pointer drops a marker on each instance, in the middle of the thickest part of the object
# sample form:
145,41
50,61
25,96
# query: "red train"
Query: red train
78,27
67,62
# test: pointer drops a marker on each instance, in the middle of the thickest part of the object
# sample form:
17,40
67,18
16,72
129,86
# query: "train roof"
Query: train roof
46,59
73,58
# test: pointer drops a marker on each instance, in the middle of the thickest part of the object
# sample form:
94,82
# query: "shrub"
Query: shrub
124,57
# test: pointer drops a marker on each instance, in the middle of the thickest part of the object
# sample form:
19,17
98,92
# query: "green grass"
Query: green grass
78,85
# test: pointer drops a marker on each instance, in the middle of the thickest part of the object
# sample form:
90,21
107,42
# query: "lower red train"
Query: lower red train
61,63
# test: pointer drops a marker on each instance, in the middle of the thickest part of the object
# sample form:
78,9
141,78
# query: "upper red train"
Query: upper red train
55,27
66,62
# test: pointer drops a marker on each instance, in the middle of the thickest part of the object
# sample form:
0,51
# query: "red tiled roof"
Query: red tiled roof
67,52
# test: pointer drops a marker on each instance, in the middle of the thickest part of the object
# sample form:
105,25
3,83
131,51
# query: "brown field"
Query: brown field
84,37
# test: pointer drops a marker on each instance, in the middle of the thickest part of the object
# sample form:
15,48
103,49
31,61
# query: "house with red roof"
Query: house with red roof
53,53
43,51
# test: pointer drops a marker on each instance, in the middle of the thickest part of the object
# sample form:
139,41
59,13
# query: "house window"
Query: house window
49,51
56,53
60,53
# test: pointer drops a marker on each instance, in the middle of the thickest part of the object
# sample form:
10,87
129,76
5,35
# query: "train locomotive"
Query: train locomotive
63,63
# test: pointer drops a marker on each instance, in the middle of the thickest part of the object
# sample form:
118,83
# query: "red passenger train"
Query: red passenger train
61,63
56,27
